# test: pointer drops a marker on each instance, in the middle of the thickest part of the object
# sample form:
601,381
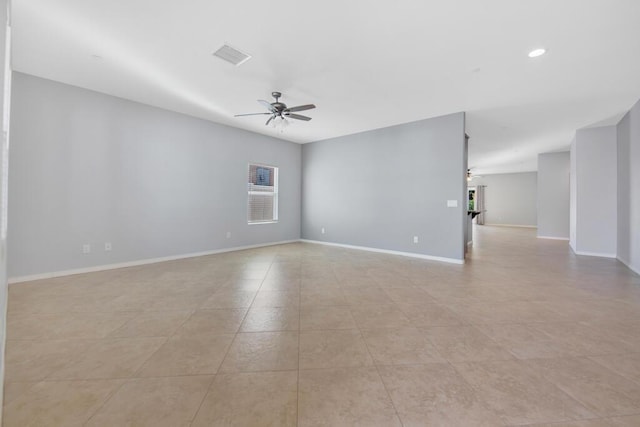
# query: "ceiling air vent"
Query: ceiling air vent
231,55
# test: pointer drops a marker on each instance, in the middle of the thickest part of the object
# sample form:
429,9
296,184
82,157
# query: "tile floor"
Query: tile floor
524,334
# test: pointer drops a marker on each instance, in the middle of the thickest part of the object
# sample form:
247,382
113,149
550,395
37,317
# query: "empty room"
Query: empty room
320,213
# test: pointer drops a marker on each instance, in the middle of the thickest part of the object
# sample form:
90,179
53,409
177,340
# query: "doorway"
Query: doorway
471,198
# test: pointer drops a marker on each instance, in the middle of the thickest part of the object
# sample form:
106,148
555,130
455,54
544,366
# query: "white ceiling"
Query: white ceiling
365,64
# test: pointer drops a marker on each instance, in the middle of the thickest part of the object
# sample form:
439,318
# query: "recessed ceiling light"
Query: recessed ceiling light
537,52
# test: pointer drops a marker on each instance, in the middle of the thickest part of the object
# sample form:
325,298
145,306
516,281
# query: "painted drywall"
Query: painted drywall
5,97
553,195
510,198
91,168
628,233
379,189
596,191
573,195
468,226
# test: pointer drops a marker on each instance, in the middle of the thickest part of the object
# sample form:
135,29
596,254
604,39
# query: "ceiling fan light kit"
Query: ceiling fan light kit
279,110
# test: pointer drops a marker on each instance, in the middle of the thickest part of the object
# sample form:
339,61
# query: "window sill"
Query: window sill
262,222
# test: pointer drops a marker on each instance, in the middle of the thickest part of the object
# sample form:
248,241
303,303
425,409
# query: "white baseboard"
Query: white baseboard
598,254
553,238
511,225
105,267
629,266
387,251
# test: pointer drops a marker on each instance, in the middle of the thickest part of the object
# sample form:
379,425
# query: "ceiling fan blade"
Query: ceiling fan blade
250,114
298,117
269,121
301,108
267,105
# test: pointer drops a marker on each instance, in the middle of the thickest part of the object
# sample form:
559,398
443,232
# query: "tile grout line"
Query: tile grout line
108,398
476,391
204,396
168,338
213,378
635,381
570,394
134,375
384,385
340,264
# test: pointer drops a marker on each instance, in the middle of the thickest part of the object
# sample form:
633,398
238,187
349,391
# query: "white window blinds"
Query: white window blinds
262,198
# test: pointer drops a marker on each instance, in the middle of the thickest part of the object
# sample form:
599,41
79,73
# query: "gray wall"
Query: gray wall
5,61
573,194
595,176
379,189
92,168
628,232
553,195
510,198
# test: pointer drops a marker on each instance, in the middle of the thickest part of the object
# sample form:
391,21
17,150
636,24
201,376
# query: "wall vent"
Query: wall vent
232,55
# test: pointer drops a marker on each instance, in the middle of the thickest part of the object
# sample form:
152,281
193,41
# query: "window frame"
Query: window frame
274,194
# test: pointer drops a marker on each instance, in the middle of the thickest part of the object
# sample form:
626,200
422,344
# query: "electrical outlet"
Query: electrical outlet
322,230
452,203
228,234
415,239
86,248
107,246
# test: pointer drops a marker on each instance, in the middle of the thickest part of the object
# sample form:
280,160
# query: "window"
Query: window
472,199
262,198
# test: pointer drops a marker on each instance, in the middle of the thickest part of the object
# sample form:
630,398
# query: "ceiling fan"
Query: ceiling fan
470,176
280,110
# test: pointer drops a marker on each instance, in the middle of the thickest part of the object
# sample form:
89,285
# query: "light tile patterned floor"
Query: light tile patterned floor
300,334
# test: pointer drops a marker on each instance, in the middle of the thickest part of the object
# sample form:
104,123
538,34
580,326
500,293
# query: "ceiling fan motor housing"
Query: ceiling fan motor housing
279,106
